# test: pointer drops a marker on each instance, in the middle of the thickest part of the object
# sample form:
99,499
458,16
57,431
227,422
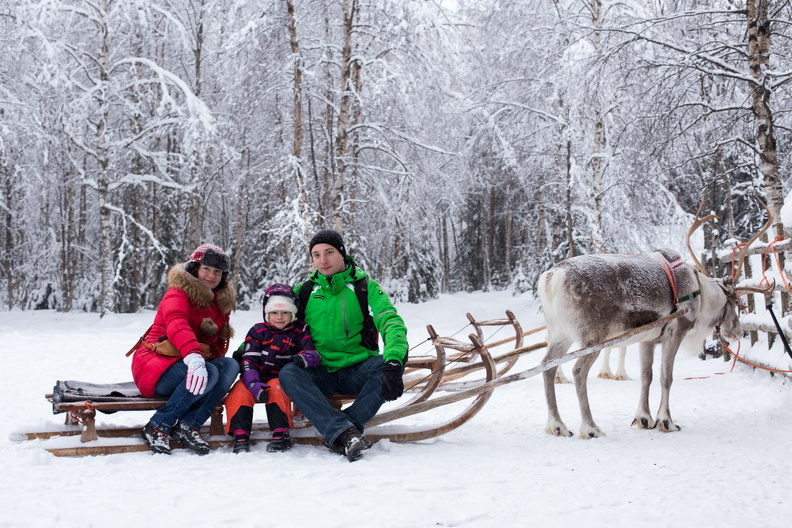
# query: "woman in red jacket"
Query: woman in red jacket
193,316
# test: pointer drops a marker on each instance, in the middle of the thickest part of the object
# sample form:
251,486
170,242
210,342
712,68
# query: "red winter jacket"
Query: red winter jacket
189,314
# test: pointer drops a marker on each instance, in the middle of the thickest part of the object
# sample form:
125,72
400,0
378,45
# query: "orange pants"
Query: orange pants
239,396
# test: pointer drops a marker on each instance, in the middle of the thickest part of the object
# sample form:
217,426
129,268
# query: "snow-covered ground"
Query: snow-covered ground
728,467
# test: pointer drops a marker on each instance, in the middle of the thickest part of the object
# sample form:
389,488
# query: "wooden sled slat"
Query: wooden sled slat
145,405
472,409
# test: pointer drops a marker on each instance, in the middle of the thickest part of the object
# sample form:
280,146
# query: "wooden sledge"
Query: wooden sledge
450,372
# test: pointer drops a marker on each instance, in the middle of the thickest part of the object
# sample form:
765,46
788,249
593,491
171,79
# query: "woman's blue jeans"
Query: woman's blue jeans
309,388
192,409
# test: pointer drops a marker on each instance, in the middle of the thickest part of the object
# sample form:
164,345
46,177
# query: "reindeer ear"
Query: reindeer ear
728,282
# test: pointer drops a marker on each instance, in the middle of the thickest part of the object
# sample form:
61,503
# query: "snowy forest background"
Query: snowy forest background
458,145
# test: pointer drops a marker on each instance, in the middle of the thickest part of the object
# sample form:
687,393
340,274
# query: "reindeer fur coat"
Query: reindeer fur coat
631,288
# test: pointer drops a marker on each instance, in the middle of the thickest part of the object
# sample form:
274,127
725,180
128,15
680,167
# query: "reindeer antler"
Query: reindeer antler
743,248
763,291
696,224
598,247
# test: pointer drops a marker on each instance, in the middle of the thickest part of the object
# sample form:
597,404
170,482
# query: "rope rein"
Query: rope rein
743,360
457,359
75,415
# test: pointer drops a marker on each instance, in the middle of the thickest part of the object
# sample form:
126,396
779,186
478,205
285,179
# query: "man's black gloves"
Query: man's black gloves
392,382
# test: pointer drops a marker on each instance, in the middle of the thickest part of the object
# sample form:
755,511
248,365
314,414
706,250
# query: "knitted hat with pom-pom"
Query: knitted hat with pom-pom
208,255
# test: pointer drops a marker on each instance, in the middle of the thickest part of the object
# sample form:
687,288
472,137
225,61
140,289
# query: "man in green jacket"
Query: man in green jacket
350,363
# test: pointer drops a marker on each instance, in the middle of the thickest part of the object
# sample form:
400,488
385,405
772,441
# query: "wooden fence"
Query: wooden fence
764,265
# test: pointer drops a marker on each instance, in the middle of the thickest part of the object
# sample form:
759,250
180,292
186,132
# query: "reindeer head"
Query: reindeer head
728,324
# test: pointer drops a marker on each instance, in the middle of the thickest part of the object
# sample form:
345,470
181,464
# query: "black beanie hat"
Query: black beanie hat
328,236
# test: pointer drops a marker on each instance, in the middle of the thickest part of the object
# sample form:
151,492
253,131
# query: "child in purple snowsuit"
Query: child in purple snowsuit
268,346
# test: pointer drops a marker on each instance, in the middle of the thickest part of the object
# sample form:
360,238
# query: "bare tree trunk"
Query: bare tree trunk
68,266
198,51
599,138
241,219
728,192
596,169
103,177
508,226
569,223
541,216
341,146
313,162
325,184
195,157
105,241
758,59
6,256
297,125
486,273
444,257
354,152
297,86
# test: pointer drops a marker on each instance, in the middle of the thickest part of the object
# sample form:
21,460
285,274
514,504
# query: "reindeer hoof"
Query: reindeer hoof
558,429
589,432
644,423
563,432
668,426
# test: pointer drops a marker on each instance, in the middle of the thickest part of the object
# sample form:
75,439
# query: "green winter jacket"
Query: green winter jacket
335,319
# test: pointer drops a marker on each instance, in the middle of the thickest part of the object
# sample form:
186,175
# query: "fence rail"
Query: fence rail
764,265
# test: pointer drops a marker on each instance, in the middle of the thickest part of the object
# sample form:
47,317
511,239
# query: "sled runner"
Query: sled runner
456,371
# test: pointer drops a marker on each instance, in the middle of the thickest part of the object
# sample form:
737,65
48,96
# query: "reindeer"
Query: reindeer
592,298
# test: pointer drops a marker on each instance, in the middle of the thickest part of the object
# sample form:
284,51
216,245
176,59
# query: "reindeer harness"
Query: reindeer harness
670,268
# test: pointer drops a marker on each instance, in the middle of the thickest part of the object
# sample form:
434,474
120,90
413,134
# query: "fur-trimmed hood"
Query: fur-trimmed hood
224,294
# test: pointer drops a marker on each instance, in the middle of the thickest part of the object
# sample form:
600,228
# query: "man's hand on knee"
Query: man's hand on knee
392,382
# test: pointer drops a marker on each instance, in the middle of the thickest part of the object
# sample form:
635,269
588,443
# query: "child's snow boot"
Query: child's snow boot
241,443
280,442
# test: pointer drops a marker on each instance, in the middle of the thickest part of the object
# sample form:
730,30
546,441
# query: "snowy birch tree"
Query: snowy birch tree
108,87
707,78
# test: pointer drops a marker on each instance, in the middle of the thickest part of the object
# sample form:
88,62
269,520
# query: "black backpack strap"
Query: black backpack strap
368,336
305,294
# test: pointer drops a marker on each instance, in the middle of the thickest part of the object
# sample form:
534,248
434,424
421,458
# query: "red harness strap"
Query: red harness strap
669,268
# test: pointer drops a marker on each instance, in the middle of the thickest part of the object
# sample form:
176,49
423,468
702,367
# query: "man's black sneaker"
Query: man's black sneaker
335,447
241,444
190,438
354,443
156,439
